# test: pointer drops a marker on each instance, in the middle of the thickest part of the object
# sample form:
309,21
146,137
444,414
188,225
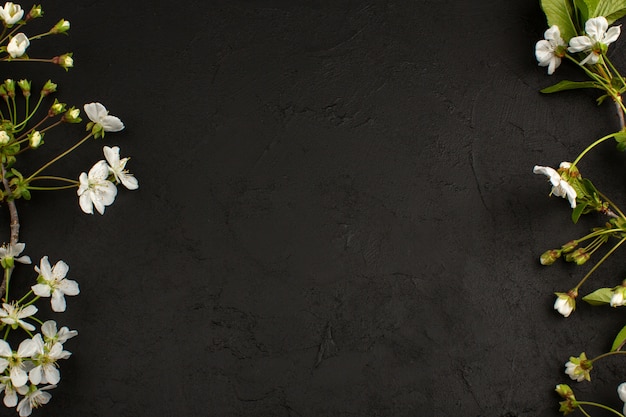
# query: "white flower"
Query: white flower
117,168
579,368
95,189
10,395
11,13
12,315
560,187
564,304
52,282
598,40
15,360
9,252
49,330
98,114
44,359
550,50
17,45
33,398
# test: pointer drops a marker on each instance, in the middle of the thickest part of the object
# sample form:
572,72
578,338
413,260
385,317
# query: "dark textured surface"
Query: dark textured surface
337,213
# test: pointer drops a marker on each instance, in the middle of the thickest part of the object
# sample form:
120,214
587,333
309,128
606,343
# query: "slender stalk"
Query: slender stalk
590,147
602,406
80,142
604,355
604,258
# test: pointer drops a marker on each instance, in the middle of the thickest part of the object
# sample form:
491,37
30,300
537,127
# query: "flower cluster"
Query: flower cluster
31,347
32,369
598,36
580,32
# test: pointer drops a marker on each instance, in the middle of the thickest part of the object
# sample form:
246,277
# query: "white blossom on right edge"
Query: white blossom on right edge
95,190
117,167
597,40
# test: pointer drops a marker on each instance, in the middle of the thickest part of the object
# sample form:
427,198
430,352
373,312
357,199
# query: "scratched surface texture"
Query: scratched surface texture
337,214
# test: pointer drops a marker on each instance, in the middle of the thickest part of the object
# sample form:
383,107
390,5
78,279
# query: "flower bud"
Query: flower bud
565,391
62,26
579,256
49,87
35,12
550,256
35,139
4,138
64,61
56,108
25,87
72,116
9,86
619,295
569,246
565,303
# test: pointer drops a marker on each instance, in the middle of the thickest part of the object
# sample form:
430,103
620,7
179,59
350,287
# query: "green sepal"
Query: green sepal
578,211
570,85
599,297
618,343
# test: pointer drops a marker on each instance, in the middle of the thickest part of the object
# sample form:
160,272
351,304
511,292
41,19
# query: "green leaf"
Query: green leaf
584,7
578,211
599,297
619,340
571,85
560,13
611,9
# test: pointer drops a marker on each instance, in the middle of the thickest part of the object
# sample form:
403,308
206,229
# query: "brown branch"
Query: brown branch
15,226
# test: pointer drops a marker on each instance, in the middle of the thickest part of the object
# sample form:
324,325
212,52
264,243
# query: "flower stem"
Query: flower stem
80,142
602,406
604,355
590,147
604,258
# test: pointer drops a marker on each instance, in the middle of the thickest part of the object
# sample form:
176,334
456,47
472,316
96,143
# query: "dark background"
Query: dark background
337,214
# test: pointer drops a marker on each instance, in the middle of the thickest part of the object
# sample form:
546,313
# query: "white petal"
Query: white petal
112,155
41,290
580,43
49,329
10,398
69,287
35,375
5,349
129,181
52,374
27,311
58,301
18,377
85,202
611,35
596,27
99,172
27,348
60,270
112,124
95,111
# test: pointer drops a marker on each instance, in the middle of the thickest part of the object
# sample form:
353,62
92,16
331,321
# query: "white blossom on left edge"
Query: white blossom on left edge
52,282
17,45
560,187
95,190
550,50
